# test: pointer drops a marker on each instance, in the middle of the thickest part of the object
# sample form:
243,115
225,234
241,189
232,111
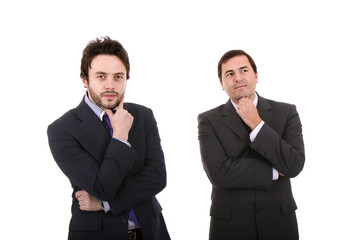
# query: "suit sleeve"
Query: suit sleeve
247,170
149,181
101,180
285,151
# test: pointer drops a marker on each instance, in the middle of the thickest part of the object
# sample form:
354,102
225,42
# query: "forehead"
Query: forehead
236,63
107,62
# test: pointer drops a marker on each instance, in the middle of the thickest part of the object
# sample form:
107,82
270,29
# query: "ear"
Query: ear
256,76
221,83
85,82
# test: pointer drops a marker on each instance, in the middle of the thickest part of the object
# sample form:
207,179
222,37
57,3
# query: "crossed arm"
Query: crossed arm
145,184
88,202
137,188
121,187
229,164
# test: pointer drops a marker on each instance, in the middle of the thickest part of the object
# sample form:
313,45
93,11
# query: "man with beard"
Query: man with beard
250,148
111,153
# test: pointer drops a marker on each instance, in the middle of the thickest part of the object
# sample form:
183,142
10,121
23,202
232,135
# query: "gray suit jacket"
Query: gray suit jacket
246,202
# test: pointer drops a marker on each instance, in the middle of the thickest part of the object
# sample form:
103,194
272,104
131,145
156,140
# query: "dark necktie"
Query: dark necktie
132,215
108,124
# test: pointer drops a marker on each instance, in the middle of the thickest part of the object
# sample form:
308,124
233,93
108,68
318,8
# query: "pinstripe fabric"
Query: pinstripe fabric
246,203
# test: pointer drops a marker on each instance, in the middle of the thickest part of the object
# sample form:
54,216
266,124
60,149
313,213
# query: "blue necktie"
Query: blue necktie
132,215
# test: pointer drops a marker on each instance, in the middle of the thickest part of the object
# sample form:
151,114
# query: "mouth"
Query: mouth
240,86
109,96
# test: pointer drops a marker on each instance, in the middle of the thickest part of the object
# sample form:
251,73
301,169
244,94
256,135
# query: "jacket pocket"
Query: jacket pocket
220,211
85,224
288,206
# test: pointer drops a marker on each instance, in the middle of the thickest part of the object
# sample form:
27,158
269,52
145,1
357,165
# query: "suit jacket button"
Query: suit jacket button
124,220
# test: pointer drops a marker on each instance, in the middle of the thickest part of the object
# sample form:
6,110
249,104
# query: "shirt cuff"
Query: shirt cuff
127,143
275,174
106,206
256,130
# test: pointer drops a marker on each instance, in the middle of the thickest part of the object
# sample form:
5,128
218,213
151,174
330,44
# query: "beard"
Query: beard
105,105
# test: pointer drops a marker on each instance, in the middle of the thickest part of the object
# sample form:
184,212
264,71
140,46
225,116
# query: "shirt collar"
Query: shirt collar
256,99
96,109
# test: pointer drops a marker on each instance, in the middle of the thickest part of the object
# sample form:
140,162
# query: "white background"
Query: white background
307,53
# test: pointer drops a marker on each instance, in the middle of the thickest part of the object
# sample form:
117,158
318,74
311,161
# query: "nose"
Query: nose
109,85
237,76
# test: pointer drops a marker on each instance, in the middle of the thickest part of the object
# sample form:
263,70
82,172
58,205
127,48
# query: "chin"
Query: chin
110,106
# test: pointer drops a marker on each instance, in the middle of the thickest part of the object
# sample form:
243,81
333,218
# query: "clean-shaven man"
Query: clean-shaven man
250,148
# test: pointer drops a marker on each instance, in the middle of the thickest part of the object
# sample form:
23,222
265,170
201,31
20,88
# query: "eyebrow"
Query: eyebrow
231,70
104,73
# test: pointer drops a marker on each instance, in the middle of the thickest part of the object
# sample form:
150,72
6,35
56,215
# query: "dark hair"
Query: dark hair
231,54
106,46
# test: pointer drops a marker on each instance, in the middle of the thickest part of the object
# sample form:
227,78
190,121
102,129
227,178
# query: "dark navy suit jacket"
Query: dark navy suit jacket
126,177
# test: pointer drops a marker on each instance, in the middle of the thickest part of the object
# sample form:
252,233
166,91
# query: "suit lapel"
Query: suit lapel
233,121
264,108
92,126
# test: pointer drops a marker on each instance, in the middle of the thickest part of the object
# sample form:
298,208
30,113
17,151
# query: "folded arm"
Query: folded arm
246,170
285,152
148,182
100,179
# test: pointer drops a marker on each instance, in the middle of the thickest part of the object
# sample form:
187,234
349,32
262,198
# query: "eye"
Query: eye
229,74
101,77
119,77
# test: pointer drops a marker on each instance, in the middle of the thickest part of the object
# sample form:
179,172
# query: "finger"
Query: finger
79,193
121,103
81,198
243,99
109,113
86,195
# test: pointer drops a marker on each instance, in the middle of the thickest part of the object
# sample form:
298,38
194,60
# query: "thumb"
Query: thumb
121,104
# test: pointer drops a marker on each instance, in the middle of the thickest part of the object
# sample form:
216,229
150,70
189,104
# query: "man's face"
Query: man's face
238,78
107,81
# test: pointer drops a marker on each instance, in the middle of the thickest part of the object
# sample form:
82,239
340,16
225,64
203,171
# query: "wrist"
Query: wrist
120,137
256,124
101,205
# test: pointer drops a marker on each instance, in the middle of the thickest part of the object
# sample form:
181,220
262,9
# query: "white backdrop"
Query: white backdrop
307,53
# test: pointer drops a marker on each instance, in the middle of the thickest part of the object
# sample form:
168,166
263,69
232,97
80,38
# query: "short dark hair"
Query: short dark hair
106,46
234,53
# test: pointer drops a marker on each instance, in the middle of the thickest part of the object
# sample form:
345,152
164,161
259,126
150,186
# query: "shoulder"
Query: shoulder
66,122
281,111
275,105
138,109
71,119
66,117
142,115
213,112
74,115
